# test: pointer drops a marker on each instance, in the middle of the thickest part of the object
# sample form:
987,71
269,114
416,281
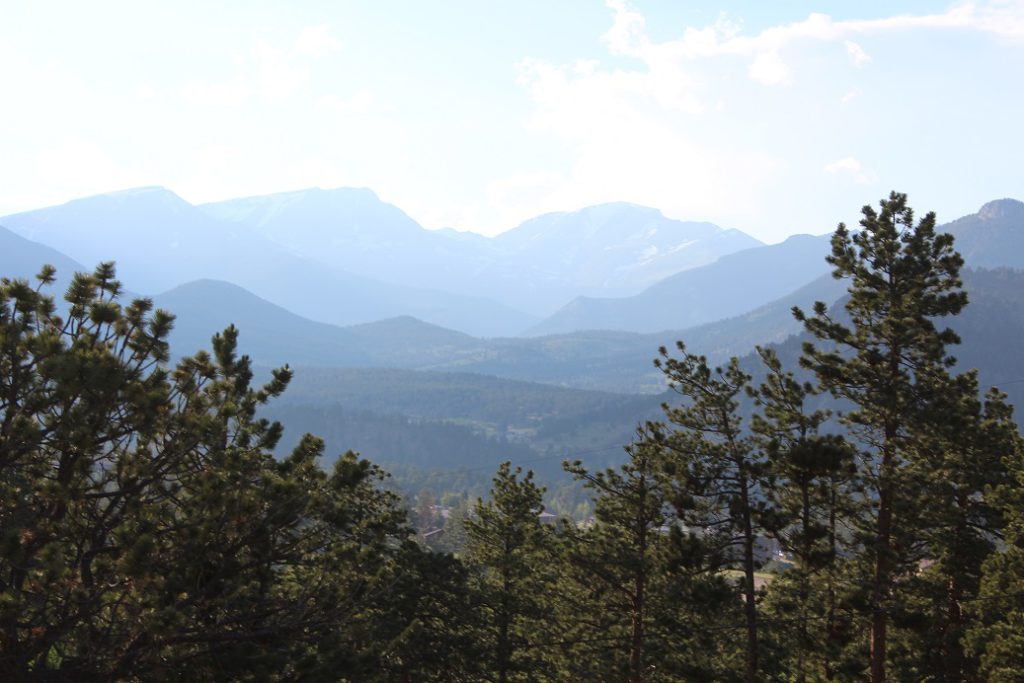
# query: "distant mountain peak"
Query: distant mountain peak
148,192
393,320
136,198
408,327
596,213
802,237
136,191
363,193
611,218
315,214
354,191
206,283
615,207
1001,208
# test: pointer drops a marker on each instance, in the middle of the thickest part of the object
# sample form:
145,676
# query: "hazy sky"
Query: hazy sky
771,117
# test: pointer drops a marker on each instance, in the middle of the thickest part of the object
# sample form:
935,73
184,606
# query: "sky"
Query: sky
771,117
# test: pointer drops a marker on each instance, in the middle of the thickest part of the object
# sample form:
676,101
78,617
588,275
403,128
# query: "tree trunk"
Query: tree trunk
636,657
749,608
636,653
801,674
504,649
880,580
831,622
883,540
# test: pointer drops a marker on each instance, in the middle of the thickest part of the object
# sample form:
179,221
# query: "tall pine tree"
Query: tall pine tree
996,637
510,554
888,359
646,605
716,472
807,487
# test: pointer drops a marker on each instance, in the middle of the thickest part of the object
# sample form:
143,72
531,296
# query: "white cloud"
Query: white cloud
684,126
769,69
204,94
630,141
316,41
265,70
361,102
1004,18
845,164
217,159
671,73
724,38
78,166
145,91
851,95
627,35
850,166
524,194
276,74
315,171
858,57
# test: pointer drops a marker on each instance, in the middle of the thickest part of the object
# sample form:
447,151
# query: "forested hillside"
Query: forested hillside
554,422
453,422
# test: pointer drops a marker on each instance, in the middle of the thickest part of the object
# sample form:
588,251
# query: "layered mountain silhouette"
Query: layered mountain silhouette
731,285
612,249
592,359
160,241
343,256
285,303
373,355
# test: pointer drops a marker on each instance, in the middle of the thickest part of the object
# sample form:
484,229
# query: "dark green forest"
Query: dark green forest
848,506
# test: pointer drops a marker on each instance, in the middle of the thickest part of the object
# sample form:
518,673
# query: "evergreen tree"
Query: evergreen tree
645,603
807,489
510,555
717,472
146,531
997,636
75,393
959,463
422,625
888,359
